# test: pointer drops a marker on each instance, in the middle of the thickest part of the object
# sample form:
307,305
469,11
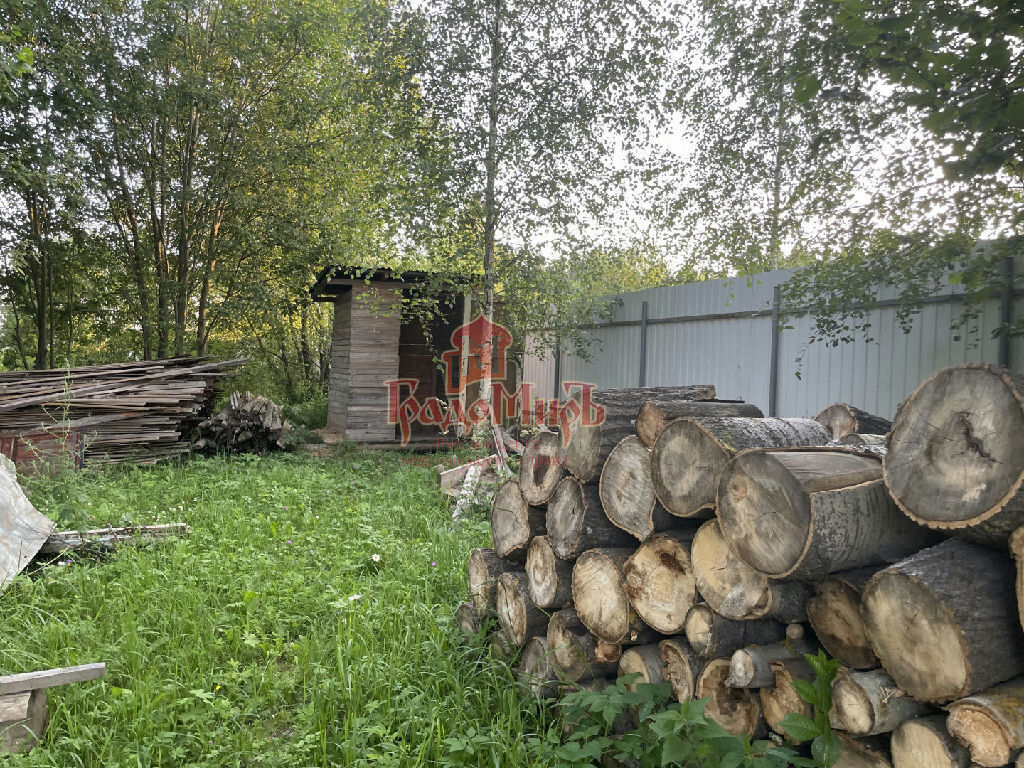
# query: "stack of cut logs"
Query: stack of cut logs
248,423
691,541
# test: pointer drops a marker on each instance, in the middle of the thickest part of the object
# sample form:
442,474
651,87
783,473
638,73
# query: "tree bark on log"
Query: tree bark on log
535,675
867,703
874,443
751,667
781,699
690,455
956,453
659,580
925,743
541,467
736,709
991,723
518,616
514,522
642,660
548,578
575,653
599,596
837,620
872,752
944,622
843,419
501,645
576,521
829,511
655,414
1017,550
627,495
482,570
712,635
682,666
467,619
735,590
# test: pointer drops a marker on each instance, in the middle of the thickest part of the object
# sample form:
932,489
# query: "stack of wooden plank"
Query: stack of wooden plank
715,550
139,412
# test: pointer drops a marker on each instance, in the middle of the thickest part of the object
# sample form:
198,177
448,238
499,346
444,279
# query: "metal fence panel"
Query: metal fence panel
720,332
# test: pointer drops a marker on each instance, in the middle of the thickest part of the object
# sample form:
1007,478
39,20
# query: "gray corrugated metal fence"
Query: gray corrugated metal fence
722,332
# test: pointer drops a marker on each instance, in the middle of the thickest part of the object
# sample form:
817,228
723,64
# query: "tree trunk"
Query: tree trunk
869,703
575,653
513,522
576,521
541,467
599,594
712,635
642,660
627,495
549,579
690,454
735,590
863,753
829,511
483,569
836,618
682,666
535,675
589,446
501,646
736,709
842,419
467,619
520,619
925,743
944,622
956,453
991,723
659,581
751,667
781,699
656,413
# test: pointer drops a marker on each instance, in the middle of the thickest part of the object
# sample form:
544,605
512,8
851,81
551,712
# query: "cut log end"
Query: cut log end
483,569
782,699
642,664
735,709
991,723
517,614
625,488
844,420
925,743
599,593
549,579
660,583
730,586
541,467
835,615
956,452
681,667
535,675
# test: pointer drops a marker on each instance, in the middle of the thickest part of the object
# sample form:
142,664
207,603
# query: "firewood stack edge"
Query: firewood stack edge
695,542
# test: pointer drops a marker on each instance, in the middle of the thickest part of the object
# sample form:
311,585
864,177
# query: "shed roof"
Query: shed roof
335,279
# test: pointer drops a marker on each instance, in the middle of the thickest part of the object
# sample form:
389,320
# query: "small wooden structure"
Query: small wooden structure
372,343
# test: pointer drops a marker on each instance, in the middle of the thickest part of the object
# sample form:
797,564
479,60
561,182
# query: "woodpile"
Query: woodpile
713,551
248,423
138,413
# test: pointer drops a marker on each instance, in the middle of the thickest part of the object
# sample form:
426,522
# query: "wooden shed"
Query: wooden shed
372,344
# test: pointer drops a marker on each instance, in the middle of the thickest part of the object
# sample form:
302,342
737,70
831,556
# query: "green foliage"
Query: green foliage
634,724
311,414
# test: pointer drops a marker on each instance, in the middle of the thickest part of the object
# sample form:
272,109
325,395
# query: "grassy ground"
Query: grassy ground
270,636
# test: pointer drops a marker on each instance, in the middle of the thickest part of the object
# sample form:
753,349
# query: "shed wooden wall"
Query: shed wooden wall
364,354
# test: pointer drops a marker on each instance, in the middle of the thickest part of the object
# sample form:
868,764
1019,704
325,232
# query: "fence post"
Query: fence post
773,381
1006,311
558,367
643,344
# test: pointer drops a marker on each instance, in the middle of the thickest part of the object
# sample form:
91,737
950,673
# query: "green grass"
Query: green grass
245,644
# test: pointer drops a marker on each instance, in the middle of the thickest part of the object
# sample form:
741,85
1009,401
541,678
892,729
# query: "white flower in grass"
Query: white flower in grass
355,597
375,557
